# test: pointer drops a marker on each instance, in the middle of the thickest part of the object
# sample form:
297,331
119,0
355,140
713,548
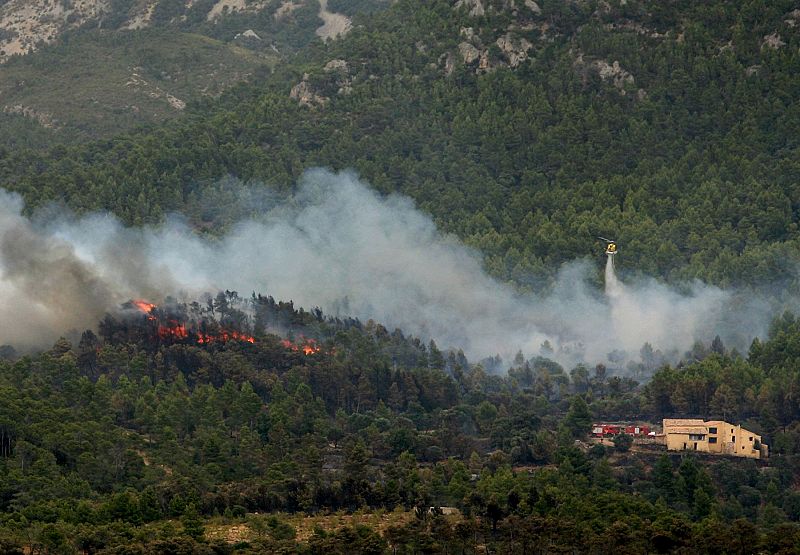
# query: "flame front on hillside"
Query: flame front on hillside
176,330
307,347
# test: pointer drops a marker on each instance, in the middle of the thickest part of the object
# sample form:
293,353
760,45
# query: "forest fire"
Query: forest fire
144,306
176,330
307,347
223,336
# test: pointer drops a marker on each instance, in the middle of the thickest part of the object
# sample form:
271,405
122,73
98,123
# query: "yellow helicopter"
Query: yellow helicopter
611,245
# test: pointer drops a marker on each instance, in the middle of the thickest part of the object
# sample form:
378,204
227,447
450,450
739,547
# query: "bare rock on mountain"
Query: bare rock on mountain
613,72
515,50
337,65
334,25
448,61
249,34
286,9
27,23
44,119
138,83
142,17
225,6
306,95
636,27
485,63
622,79
468,52
773,41
533,6
341,70
474,7
792,18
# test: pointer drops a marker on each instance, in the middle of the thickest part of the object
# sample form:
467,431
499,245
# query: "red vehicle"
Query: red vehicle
605,430
610,430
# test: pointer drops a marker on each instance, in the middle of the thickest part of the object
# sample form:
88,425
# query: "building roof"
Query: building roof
670,422
685,426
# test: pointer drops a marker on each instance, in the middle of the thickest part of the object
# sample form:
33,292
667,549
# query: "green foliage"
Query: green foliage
120,443
622,442
578,420
526,165
192,525
150,438
98,84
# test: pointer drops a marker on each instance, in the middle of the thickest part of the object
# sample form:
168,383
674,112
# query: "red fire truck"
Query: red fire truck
610,430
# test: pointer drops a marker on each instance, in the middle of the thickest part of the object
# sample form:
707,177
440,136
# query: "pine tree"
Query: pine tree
578,420
192,524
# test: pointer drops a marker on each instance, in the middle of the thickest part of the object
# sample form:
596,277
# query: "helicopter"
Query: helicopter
611,246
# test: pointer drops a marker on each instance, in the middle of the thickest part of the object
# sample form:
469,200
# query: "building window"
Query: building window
712,430
712,440
696,437
751,438
733,439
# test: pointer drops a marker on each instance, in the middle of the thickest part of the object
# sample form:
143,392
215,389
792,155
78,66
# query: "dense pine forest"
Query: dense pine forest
138,442
246,424
686,152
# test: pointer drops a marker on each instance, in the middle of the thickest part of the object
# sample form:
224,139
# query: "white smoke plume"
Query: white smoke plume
338,245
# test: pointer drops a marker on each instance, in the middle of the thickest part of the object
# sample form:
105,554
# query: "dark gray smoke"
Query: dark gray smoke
338,245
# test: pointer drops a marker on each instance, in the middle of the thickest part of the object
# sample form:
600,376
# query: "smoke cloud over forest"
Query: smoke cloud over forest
338,245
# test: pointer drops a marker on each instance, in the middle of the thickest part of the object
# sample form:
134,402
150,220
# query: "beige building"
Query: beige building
713,436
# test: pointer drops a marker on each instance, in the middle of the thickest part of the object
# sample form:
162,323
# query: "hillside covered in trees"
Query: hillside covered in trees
525,130
130,442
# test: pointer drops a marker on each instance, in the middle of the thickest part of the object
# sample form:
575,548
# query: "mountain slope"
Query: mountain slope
99,84
526,130
95,68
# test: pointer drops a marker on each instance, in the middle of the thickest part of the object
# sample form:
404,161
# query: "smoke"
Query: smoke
338,245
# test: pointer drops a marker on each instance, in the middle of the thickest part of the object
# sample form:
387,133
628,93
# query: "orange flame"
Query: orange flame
145,307
308,347
224,335
174,329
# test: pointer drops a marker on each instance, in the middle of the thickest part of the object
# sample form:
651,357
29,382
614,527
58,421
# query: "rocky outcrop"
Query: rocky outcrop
474,7
792,18
448,62
773,41
137,83
468,52
285,10
248,39
333,25
28,23
306,95
249,34
225,6
533,6
341,72
613,72
514,50
636,27
44,119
